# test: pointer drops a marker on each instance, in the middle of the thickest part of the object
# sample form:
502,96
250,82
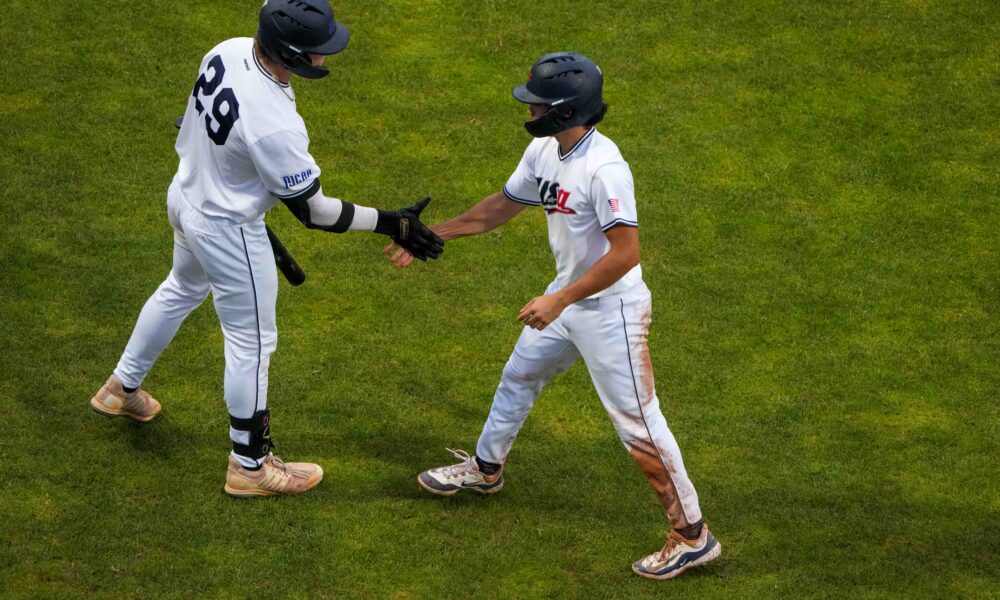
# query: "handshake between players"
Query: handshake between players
243,148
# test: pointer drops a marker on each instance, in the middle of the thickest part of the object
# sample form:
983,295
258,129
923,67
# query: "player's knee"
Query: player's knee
510,411
243,345
523,372
179,291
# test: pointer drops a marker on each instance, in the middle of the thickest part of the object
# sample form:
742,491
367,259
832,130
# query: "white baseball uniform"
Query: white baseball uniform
242,147
584,193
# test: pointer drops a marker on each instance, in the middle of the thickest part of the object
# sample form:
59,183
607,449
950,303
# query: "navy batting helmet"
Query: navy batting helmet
565,81
291,30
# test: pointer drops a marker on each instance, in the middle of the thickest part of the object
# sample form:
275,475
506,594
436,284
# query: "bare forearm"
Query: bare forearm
602,275
623,255
490,213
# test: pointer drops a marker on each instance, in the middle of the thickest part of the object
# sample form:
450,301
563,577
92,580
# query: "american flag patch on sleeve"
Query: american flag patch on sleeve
615,206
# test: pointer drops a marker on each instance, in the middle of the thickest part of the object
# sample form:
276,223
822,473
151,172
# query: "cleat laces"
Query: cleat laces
467,465
287,470
668,548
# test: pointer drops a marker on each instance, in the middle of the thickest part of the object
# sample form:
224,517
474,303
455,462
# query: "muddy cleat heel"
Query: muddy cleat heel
275,477
679,555
445,481
113,401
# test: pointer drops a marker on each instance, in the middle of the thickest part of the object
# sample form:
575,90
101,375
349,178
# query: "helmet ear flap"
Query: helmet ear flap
303,67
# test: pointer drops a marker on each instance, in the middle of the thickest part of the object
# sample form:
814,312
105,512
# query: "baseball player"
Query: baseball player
243,147
597,307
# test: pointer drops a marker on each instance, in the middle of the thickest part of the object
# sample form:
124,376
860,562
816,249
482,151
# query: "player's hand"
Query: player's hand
409,232
399,256
540,311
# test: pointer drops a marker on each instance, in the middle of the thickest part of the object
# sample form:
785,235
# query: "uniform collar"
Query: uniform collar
579,143
262,69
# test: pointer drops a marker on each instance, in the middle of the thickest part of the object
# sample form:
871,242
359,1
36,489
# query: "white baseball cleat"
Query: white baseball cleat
445,481
113,401
678,555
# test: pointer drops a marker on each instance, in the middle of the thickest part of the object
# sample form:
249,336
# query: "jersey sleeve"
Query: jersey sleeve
613,194
522,186
285,165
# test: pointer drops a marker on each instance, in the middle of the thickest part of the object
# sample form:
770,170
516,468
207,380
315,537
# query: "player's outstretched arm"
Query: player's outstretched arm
403,226
488,214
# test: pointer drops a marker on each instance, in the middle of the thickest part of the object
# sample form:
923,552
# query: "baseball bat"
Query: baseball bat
282,257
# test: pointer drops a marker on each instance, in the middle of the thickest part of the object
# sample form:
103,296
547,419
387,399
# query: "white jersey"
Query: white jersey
584,193
243,144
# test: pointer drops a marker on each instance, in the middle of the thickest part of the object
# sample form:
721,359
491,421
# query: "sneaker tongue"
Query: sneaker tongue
680,539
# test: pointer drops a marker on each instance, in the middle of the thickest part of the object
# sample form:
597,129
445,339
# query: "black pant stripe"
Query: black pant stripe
638,400
256,312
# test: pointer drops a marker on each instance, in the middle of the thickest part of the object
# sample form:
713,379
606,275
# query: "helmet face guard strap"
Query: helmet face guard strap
300,63
547,124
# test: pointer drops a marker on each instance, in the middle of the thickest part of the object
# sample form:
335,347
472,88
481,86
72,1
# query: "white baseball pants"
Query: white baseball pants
610,334
235,263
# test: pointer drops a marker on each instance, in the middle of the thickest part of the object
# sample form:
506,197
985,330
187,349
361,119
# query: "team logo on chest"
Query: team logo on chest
553,199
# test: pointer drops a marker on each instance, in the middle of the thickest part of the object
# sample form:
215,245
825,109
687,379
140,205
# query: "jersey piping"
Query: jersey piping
256,61
519,200
306,193
579,143
619,222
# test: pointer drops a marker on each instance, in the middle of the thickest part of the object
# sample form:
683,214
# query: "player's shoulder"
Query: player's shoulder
604,152
237,45
537,146
233,48
269,105
603,148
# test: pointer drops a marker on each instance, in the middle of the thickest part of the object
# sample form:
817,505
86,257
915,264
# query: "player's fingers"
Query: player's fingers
392,246
421,205
435,251
430,241
418,252
527,311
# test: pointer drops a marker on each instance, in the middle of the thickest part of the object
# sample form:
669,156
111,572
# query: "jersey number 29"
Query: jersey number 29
225,99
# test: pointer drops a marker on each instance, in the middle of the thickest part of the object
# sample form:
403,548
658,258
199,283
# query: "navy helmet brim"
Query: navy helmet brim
335,44
521,93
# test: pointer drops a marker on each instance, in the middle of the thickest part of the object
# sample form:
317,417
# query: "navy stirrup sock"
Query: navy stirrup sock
486,467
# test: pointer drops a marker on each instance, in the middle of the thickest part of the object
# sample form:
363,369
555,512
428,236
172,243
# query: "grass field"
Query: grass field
817,186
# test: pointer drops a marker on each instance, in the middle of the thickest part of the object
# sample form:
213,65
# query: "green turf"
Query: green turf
817,187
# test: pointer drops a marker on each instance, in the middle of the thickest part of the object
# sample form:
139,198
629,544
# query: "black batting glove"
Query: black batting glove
409,232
